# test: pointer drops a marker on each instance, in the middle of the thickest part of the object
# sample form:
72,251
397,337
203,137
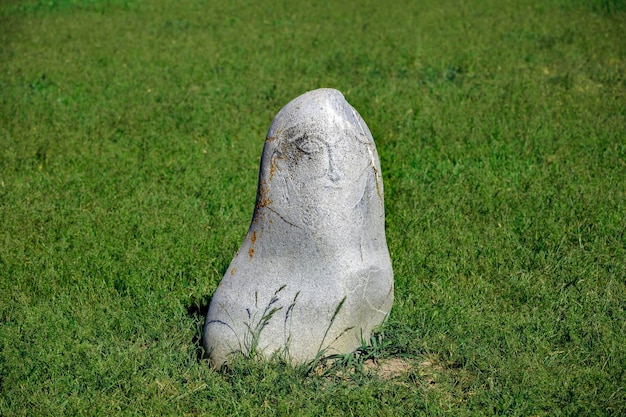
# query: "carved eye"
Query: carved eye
308,146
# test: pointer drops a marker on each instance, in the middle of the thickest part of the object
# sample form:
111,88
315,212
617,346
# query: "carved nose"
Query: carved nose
334,173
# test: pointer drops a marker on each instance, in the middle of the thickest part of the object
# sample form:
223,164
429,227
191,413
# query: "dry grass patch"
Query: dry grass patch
389,368
426,372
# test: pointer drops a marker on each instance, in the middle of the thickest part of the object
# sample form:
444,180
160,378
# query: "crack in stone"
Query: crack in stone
285,220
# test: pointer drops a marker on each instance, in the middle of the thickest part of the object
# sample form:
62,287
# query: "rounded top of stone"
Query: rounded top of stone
322,110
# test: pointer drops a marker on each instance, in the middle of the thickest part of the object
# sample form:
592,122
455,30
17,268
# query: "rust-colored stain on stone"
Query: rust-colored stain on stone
273,166
252,240
264,202
277,133
262,199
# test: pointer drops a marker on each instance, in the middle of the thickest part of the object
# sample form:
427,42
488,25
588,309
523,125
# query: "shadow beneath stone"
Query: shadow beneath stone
197,311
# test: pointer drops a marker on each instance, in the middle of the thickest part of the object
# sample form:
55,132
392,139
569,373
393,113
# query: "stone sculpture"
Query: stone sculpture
313,275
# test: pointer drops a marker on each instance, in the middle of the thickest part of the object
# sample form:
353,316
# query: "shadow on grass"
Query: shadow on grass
197,311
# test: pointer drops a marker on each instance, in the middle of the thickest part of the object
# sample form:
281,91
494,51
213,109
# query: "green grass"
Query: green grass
130,136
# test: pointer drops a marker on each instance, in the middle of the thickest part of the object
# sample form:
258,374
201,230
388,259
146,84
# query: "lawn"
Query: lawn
130,138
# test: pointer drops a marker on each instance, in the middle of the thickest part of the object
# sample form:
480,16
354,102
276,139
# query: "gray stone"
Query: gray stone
313,274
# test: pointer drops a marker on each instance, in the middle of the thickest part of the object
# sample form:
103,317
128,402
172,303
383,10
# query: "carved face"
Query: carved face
321,164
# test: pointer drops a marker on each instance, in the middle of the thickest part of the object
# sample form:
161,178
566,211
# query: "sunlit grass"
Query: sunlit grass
130,136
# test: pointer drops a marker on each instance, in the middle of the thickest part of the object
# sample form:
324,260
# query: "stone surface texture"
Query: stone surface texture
313,273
